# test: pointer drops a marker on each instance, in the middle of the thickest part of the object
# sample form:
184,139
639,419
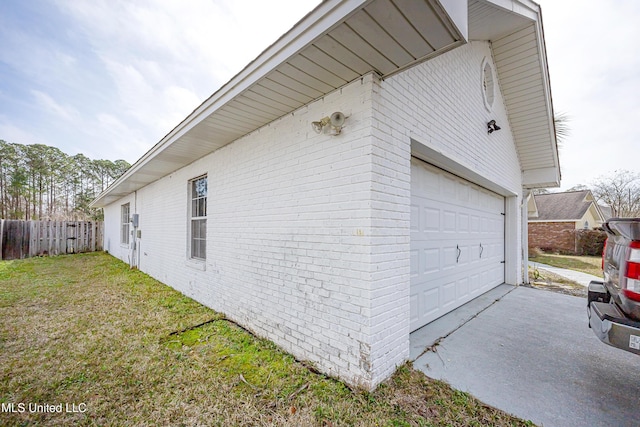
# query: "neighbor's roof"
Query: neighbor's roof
342,40
606,211
568,206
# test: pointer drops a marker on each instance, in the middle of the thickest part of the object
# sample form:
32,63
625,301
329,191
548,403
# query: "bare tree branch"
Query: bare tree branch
620,191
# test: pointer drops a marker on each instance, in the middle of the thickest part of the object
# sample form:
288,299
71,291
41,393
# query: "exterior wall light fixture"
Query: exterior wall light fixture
334,123
492,126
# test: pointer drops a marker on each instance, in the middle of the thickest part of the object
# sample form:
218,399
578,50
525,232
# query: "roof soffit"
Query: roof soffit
339,41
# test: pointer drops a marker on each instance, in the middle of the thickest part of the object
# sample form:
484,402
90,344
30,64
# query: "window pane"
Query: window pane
198,229
202,187
195,229
202,248
199,187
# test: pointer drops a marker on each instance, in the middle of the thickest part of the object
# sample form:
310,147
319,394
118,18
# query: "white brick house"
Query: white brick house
336,247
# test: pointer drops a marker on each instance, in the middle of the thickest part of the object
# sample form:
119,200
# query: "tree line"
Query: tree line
39,182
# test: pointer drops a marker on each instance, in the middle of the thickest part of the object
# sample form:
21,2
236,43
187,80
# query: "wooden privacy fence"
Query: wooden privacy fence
23,239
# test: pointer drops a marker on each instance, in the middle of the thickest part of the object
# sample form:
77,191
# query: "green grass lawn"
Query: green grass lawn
120,348
586,264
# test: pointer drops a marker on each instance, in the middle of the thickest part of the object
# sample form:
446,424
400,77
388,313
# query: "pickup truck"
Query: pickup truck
614,304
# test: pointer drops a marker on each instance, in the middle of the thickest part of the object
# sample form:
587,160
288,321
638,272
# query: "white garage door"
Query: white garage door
457,242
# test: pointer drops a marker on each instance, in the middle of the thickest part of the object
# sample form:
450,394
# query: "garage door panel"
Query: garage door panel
448,187
450,253
474,286
475,224
431,220
457,242
429,181
463,222
431,261
462,286
493,250
429,300
463,255
475,254
448,294
436,263
464,193
454,291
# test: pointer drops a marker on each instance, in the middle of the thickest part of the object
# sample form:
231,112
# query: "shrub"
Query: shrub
590,242
535,252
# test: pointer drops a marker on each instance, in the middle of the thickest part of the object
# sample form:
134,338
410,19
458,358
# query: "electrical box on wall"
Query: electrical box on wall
139,234
134,219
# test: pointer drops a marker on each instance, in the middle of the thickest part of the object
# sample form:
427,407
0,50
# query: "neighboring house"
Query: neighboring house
555,217
337,244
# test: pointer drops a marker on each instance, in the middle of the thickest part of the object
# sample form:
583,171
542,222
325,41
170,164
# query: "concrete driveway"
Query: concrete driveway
532,354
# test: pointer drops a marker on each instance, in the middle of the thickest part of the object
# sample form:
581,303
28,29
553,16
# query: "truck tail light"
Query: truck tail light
604,253
631,285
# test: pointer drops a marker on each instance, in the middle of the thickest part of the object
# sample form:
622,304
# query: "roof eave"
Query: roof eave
218,121
325,16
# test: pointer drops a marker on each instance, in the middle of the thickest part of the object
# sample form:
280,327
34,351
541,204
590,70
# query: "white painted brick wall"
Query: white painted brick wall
308,235
112,229
288,233
446,112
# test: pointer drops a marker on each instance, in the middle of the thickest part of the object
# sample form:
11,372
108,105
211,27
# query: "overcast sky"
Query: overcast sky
109,78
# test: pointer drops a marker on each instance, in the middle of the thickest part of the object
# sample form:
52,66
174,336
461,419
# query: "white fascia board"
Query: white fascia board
542,51
315,24
541,178
526,8
458,12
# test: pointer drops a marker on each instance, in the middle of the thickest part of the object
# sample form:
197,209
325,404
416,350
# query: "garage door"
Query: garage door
457,242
